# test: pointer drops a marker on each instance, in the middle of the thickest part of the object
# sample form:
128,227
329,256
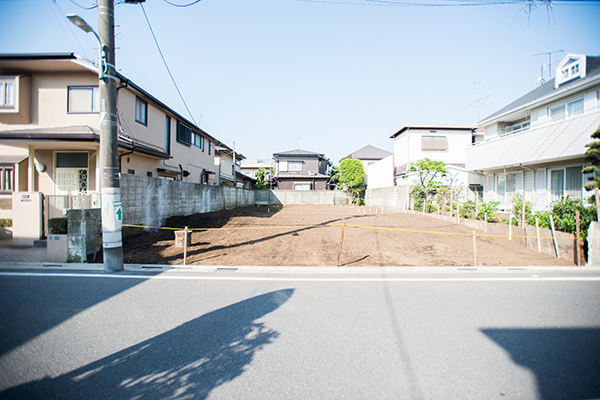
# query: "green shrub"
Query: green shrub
490,209
417,194
5,222
518,207
564,215
58,226
468,209
543,219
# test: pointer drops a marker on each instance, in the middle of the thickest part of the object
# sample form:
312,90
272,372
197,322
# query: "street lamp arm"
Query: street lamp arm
84,26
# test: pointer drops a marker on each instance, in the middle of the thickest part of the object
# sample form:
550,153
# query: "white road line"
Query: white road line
297,279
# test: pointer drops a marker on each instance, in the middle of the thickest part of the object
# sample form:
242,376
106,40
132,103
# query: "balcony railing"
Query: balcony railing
554,140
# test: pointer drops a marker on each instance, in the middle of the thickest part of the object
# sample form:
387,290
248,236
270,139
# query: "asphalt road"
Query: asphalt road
266,333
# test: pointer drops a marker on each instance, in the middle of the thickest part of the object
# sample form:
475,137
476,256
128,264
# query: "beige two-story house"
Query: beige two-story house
49,129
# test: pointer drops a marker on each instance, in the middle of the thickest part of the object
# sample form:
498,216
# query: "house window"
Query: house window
184,134
294,166
7,178
209,148
434,143
141,111
568,109
83,99
167,134
7,93
149,174
198,141
131,171
566,182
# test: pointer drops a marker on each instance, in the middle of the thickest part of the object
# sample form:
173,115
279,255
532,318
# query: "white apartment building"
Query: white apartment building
536,144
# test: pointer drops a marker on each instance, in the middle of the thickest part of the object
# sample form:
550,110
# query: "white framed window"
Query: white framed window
566,110
294,166
141,111
83,99
7,178
7,92
505,186
566,182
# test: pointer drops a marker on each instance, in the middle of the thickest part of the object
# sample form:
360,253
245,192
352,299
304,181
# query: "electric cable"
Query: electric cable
182,5
85,8
61,22
166,66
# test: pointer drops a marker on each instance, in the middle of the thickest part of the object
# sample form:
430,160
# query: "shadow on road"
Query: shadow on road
186,362
566,361
49,301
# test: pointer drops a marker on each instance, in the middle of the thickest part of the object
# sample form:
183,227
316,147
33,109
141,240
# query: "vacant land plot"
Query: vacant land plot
311,235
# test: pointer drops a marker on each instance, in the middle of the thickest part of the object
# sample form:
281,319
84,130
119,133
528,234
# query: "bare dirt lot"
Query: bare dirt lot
292,236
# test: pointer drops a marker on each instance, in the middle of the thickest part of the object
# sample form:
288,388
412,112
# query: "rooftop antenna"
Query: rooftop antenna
549,62
480,101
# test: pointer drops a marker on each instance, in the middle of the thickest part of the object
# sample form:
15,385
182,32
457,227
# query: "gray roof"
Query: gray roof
297,153
369,153
547,90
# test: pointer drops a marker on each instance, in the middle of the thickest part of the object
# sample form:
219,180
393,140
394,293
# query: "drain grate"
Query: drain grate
222,269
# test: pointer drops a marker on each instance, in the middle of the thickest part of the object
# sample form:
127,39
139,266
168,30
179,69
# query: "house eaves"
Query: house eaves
440,127
11,63
77,134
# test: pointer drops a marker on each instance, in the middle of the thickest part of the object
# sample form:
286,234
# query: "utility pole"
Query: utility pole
112,217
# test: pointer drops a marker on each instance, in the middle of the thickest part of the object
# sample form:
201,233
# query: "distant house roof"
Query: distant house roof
439,127
548,91
298,153
369,153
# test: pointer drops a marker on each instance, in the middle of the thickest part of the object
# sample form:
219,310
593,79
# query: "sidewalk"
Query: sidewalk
22,254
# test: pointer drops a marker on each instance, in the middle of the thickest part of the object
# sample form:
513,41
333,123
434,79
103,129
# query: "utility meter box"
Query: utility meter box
28,219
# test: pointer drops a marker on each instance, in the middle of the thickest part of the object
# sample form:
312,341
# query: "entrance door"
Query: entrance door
71,173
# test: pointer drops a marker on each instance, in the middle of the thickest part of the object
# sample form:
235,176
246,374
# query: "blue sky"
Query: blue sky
273,76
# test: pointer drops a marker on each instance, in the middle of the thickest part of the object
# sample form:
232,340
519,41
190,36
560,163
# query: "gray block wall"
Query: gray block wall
150,201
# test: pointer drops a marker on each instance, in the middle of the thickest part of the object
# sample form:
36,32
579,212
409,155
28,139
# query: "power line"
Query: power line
85,8
166,66
61,22
181,5
456,3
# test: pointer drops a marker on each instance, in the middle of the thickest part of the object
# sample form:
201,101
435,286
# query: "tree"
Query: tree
336,177
352,176
261,183
592,155
429,171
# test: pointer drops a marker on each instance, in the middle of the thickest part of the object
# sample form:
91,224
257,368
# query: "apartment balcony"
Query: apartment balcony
555,141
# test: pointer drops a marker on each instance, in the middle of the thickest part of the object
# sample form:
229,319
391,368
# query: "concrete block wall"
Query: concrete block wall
302,197
84,233
393,198
150,201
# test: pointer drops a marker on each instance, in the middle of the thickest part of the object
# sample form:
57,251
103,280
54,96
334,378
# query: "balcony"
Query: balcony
553,141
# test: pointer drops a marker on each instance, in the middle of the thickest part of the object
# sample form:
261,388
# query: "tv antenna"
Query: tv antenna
549,53
480,101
